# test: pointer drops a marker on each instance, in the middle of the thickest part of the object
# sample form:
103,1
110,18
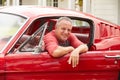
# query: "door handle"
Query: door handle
116,56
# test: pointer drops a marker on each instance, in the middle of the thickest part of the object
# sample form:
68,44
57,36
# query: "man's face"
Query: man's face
63,30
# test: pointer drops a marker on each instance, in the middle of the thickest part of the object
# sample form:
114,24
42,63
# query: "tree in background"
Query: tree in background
2,2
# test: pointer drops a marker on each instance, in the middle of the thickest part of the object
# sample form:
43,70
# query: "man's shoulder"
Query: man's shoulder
50,35
72,35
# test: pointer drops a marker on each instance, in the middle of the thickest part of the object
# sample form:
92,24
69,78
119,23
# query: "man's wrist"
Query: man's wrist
70,49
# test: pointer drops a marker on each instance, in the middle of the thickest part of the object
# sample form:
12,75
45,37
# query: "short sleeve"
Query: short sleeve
50,42
74,41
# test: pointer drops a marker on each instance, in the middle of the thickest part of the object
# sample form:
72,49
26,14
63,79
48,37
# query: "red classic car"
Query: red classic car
22,60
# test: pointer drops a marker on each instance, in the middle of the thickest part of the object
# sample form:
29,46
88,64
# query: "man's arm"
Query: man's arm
61,51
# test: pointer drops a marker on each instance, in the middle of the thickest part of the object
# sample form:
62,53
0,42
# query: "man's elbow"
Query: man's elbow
84,48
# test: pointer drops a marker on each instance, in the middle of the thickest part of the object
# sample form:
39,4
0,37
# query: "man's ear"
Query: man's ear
55,27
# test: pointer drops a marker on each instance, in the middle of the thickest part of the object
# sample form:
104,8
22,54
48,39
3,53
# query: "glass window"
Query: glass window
49,2
80,23
9,25
53,3
2,2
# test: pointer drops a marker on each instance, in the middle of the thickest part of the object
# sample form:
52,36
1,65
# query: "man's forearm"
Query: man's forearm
82,48
61,51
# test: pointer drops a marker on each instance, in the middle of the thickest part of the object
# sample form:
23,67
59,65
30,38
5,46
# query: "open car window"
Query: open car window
40,27
82,30
34,42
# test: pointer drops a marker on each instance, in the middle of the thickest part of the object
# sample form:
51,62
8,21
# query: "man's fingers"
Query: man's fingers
74,61
69,60
77,60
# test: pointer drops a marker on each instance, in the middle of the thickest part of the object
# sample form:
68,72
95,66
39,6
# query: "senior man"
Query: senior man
61,41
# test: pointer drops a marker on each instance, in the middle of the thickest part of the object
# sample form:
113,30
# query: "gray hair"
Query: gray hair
63,18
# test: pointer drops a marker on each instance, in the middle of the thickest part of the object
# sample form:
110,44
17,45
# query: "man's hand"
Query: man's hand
74,58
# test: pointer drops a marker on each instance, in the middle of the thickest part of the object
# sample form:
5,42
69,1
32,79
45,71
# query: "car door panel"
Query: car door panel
92,65
2,68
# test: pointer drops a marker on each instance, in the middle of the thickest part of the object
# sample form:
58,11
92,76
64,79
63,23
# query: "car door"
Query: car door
2,68
93,65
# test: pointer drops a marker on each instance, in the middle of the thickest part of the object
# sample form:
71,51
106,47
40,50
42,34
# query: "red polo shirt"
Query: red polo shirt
51,42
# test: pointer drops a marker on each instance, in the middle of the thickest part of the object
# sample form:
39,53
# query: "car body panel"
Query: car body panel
42,66
2,67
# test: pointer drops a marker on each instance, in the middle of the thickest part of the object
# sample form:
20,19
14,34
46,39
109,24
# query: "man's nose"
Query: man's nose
66,31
